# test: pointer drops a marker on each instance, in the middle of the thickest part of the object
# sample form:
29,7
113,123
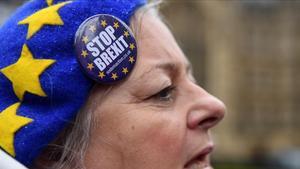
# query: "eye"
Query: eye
165,94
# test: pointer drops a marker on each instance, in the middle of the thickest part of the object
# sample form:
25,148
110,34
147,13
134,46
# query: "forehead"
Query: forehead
156,44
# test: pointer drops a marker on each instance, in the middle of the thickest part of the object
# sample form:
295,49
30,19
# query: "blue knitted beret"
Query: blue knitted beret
42,86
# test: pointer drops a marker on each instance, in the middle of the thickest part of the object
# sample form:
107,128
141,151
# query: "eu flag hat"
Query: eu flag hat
43,84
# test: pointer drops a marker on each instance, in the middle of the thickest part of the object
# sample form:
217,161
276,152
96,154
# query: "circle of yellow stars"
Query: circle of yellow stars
84,53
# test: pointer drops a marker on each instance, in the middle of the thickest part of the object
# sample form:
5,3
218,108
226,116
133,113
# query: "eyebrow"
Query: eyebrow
169,67
173,67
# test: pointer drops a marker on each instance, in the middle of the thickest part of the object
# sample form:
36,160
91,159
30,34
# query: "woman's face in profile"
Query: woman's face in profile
158,118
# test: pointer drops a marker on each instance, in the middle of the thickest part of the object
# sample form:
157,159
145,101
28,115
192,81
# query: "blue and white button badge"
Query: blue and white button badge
106,48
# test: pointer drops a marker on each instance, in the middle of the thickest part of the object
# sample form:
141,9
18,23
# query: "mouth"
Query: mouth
200,160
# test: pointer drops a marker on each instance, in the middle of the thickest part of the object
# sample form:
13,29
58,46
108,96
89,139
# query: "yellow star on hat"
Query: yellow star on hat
46,16
24,74
10,123
49,2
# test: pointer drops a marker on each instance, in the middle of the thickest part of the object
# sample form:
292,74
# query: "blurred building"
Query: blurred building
5,9
248,54
245,52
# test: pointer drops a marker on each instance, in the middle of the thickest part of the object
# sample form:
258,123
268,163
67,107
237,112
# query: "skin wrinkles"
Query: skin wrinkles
168,68
160,98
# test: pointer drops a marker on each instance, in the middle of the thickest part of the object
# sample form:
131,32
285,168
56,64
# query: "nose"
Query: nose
205,111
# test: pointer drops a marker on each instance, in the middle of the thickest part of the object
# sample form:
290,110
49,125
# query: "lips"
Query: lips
200,160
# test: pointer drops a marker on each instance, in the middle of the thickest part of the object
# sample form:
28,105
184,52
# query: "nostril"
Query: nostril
209,122
203,120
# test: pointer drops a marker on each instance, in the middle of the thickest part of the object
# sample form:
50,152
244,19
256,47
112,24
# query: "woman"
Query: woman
155,118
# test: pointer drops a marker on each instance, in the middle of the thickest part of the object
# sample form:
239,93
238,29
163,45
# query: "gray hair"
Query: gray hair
68,150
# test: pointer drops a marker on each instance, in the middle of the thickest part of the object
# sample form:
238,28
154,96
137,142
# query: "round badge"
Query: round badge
106,48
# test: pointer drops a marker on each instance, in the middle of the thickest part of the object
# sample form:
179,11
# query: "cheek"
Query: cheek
166,135
155,137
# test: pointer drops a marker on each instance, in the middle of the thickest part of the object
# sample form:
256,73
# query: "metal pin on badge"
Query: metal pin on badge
106,48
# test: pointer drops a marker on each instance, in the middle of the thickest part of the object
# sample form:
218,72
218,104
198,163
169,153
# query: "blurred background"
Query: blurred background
247,53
